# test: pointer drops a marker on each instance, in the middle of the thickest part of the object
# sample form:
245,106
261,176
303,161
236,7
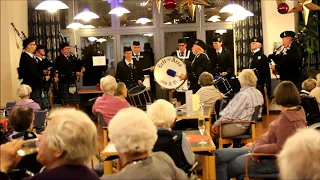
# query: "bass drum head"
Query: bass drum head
173,64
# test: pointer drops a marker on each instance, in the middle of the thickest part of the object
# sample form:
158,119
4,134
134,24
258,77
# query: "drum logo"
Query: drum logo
173,60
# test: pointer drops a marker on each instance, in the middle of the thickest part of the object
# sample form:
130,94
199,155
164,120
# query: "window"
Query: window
178,16
138,10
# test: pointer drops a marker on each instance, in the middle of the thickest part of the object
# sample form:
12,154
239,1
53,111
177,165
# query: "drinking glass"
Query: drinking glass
174,101
29,147
201,127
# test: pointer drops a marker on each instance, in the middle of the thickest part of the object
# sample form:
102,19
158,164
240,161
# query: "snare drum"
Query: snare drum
223,85
139,96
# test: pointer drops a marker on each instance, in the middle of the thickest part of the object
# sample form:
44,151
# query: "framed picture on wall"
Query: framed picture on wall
126,44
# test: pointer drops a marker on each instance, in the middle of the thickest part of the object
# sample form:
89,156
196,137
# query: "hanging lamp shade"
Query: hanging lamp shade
75,25
86,15
231,8
214,18
143,20
92,39
100,40
221,31
51,5
119,11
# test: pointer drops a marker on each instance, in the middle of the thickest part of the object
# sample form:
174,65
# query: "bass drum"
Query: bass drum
167,70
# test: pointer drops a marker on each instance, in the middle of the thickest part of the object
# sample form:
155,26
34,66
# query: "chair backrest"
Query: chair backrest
256,112
310,107
217,105
39,120
9,105
101,119
170,143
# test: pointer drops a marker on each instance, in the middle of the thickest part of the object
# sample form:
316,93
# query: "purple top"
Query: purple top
28,103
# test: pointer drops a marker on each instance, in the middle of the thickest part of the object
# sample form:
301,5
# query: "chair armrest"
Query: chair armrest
255,154
232,122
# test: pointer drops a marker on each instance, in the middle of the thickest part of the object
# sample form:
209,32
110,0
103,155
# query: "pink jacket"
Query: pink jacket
109,106
279,130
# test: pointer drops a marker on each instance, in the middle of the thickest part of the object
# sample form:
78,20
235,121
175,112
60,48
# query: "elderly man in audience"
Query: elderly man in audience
299,157
68,143
208,93
231,162
134,136
121,91
21,120
108,105
316,91
308,85
241,107
163,115
24,92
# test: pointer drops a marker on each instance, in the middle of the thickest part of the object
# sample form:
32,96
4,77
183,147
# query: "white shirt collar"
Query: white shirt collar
31,55
127,62
254,51
220,51
136,54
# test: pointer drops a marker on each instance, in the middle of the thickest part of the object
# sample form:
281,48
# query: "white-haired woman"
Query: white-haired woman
24,92
299,157
241,107
316,91
66,146
163,115
108,105
134,136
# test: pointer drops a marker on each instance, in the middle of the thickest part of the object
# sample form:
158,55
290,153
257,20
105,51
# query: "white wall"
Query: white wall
12,11
274,23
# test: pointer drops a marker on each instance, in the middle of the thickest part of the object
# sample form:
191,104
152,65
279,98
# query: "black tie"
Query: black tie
130,65
218,53
137,57
181,54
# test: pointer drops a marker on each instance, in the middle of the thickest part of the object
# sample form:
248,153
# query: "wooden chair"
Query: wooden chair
245,138
104,127
248,176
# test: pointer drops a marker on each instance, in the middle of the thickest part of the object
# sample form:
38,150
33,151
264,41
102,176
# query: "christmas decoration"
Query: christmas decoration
158,2
192,5
305,6
169,4
283,8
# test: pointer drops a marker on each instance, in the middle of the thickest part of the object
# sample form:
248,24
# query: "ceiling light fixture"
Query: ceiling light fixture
92,39
148,34
88,27
86,15
214,18
119,11
75,25
231,8
143,20
221,31
51,5
100,40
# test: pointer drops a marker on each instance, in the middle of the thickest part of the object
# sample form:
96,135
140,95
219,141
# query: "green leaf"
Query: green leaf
309,50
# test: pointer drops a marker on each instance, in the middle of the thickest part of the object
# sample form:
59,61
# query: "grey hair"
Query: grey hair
299,157
248,78
24,90
108,84
206,79
309,84
162,113
132,131
73,132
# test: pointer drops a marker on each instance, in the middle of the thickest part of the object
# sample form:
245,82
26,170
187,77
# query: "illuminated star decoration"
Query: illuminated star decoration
158,2
192,5
305,6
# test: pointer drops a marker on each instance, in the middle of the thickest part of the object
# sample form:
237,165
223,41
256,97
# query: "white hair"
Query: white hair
299,158
132,131
248,78
24,90
108,84
73,132
162,113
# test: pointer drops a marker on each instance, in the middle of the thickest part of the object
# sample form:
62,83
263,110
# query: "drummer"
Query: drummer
128,71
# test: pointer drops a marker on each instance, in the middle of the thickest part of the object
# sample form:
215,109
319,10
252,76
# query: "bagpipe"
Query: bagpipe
22,37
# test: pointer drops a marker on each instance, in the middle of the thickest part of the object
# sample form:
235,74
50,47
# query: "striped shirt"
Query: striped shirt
242,106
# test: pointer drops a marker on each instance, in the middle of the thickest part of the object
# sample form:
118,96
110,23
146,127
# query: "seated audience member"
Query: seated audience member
21,120
208,93
308,85
121,91
231,162
299,157
24,93
316,91
134,136
66,146
108,105
241,107
163,115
